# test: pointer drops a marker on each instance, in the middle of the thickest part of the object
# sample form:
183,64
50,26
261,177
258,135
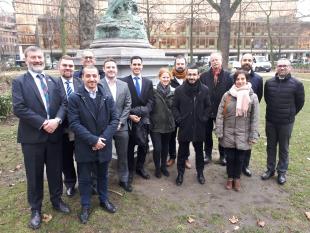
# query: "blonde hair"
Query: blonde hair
164,70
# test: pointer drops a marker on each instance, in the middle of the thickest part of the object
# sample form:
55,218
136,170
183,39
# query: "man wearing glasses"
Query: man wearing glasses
285,97
191,108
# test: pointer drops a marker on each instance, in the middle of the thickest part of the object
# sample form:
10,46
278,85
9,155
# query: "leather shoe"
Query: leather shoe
84,215
170,162
281,179
179,180
94,190
229,184
126,186
36,219
188,164
222,161
237,185
246,171
61,207
143,173
267,175
108,206
70,191
207,160
165,172
201,178
158,173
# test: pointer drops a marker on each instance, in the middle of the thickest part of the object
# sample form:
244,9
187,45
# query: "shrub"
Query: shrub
5,105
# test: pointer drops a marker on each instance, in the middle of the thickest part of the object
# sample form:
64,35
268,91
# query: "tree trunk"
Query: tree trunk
224,31
63,33
86,23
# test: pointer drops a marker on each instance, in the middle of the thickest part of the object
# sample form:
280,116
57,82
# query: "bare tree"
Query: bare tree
225,10
87,21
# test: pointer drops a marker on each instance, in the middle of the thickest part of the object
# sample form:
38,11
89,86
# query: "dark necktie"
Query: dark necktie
45,91
69,89
137,85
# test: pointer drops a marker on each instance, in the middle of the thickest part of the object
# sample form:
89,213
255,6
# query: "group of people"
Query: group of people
80,114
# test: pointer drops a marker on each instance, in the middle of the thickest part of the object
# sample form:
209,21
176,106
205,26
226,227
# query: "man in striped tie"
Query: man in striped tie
68,85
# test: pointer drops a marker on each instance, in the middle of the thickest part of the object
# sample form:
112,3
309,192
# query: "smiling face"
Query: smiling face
110,69
136,66
164,79
283,67
216,61
66,68
88,59
180,64
35,61
240,80
192,76
247,62
90,78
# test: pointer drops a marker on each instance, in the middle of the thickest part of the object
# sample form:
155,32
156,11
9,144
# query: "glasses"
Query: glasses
88,57
282,66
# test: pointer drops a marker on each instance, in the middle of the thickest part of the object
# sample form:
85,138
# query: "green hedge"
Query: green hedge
5,105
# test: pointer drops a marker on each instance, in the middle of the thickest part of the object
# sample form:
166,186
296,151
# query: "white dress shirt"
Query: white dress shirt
65,84
112,86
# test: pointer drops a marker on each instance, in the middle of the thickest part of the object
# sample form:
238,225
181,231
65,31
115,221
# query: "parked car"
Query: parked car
260,63
233,63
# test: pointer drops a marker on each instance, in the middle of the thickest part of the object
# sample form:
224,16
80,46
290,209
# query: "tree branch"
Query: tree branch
216,6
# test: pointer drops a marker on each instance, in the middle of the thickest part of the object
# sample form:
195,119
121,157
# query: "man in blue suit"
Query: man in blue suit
41,108
93,119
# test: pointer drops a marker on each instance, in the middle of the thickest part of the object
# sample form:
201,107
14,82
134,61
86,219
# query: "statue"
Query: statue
121,21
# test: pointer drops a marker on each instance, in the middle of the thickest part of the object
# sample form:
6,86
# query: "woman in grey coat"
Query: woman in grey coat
237,125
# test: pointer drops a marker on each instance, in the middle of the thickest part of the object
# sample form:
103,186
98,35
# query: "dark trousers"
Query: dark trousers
142,150
246,161
160,150
121,144
85,181
278,134
173,144
184,152
35,157
234,159
209,140
68,168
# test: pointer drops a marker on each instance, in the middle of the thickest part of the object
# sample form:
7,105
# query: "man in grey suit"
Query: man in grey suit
120,92
68,84
41,108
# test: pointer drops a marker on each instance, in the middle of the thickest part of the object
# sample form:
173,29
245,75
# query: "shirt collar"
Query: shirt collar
110,81
64,80
139,76
34,74
89,91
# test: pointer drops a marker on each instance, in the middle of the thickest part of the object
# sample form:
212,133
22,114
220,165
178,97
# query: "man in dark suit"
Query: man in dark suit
93,119
68,85
142,97
120,92
218,82
41,108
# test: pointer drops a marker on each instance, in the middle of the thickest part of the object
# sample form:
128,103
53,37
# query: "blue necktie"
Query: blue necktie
69,89
45,92
137,85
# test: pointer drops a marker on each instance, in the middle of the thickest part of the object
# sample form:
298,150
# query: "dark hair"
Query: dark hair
180,57
109,59
246,74
135,57
89,68
32,48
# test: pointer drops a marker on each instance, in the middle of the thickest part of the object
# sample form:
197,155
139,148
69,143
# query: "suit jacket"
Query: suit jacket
140,106
89,126
76,83
122,103
28,106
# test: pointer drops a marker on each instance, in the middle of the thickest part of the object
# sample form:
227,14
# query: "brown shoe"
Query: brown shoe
170,162
237,185
188,164
229,184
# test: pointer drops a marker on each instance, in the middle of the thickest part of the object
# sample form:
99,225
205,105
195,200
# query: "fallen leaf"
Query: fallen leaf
261,223
46,218
190,219
307,215
19,166
234,220
236,228
11,171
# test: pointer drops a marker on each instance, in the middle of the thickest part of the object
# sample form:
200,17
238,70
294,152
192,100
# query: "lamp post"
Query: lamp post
252,45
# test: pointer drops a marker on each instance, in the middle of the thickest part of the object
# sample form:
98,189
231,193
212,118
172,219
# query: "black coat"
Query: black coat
191,112
284,99
88,126
257,84
224,83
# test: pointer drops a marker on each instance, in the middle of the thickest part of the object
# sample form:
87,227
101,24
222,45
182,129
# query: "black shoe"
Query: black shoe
126,186
222,161
267,175
130,177
201,178
158,173
165,172
108,206
36,219
94,190
246,171
70,191
281,179
84,215
179,180
207,160
141,172
61,207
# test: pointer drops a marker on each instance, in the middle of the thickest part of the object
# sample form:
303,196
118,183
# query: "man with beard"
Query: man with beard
179,75
68,85
257,86
285,97
191,107
41,108
218,82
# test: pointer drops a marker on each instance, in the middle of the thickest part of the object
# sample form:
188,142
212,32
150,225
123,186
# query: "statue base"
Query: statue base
111,42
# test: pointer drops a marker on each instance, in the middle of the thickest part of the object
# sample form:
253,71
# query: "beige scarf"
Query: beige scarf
243,98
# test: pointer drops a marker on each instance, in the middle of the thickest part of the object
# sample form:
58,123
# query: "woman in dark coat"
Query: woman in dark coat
237,125
162,122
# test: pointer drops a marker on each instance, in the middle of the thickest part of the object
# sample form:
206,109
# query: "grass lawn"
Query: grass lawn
159,206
